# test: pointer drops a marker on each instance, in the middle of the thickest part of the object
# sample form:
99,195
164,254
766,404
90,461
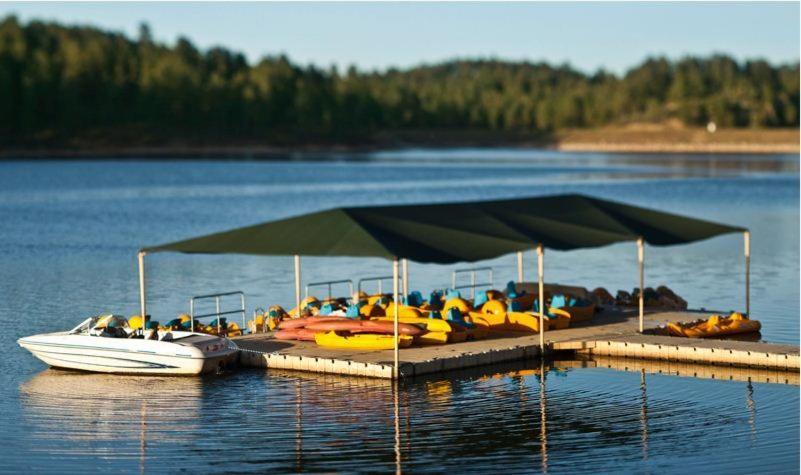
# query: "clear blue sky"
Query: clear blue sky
588,36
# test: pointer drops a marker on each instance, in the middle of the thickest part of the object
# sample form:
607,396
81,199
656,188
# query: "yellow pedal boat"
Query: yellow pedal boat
518,321
507,321
715,326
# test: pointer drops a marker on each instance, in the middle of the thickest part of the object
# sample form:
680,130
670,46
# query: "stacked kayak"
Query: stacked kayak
715,326
350,333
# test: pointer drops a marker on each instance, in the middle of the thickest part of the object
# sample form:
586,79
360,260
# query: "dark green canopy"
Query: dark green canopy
456,232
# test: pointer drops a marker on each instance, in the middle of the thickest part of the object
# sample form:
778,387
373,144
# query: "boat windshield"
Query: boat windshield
85,325
100,323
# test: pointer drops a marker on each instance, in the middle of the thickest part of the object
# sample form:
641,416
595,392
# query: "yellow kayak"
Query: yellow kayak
361,341
716,325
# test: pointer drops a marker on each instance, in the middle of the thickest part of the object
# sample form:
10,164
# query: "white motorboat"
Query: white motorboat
107,344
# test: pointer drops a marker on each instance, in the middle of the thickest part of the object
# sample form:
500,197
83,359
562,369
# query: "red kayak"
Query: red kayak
347,325
387,327
364,326
301,334
302,322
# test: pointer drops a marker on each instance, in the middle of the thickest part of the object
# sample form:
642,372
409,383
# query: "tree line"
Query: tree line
61,84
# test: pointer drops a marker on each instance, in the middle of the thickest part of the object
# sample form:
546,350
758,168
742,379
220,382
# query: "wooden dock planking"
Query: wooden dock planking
612,334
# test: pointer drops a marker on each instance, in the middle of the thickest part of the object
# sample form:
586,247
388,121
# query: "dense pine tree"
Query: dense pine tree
59,84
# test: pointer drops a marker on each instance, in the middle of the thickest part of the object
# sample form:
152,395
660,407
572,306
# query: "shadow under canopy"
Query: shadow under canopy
458,232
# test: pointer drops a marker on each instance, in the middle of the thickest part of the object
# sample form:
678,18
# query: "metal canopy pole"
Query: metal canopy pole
747,243
405,264
395,319
297,284
641,263
142,302
519,267
541,280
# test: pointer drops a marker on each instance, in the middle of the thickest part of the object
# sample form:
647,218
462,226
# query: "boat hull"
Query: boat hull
191,355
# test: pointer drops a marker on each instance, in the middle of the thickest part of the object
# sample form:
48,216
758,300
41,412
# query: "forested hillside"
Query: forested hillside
61,85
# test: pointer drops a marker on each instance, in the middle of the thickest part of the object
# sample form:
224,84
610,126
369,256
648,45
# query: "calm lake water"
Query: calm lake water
68,243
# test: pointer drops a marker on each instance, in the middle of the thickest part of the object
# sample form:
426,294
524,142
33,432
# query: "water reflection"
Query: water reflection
644,415
546,416
543,420
298,427
692,370
600,417
743,163
108,415
397,427
751,406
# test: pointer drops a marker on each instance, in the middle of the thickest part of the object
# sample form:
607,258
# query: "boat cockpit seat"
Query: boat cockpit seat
511,290
114,332
481,299
414,299
558,301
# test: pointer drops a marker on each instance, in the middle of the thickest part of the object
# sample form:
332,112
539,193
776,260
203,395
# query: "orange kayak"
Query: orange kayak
301,334
302,322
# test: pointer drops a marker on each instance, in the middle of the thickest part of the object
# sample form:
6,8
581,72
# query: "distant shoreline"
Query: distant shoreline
661,139
631,139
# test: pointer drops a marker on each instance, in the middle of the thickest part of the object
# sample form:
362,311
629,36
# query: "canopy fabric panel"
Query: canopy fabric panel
456,232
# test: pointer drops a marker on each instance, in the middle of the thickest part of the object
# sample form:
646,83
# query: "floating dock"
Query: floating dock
689,370
610,334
